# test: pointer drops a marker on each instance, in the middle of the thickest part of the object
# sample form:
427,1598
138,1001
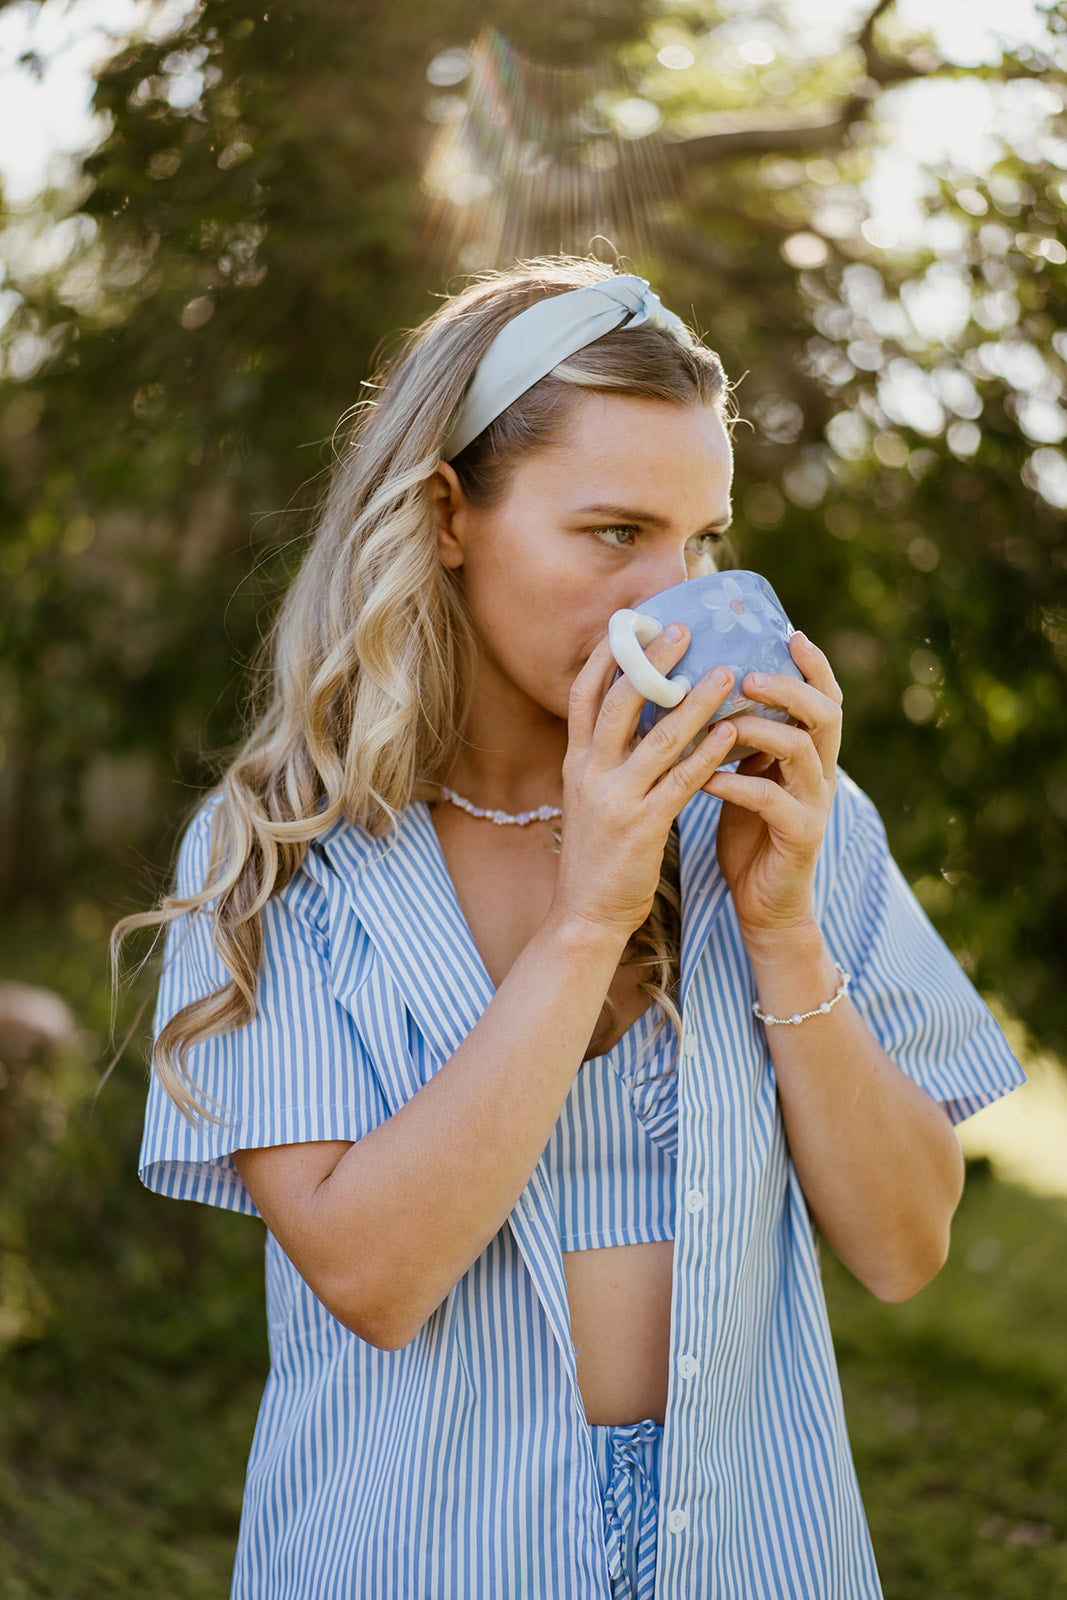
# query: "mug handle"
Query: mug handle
627,632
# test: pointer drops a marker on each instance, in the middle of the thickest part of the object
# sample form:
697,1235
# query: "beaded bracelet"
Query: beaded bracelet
802,1016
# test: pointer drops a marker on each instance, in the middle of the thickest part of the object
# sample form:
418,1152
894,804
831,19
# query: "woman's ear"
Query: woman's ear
449,508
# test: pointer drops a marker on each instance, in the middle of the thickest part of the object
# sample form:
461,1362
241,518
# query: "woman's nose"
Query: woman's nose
659,573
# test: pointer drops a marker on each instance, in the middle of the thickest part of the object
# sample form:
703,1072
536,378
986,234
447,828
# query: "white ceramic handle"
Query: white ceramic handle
627,632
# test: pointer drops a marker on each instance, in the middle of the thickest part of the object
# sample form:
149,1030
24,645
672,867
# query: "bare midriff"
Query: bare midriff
620,1303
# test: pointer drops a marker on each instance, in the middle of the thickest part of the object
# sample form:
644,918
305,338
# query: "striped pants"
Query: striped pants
627,1464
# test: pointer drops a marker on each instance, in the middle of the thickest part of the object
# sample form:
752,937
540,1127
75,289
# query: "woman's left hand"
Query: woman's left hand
776,805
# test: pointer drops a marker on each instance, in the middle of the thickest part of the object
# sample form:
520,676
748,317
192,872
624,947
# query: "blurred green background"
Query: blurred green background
186,315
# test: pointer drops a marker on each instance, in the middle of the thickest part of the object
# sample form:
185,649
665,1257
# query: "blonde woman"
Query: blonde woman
545,1052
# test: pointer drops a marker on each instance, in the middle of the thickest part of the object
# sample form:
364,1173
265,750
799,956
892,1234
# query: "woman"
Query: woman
477,1002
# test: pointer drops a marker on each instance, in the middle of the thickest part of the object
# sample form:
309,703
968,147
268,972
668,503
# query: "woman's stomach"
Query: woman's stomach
620,1306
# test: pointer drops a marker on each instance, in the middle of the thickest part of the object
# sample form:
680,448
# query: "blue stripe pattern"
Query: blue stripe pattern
614,1181
461,1467
627,1462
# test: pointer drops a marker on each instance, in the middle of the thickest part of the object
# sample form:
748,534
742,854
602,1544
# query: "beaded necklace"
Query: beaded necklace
502,818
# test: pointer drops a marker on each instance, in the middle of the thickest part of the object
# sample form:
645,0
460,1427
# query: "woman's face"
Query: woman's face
634,498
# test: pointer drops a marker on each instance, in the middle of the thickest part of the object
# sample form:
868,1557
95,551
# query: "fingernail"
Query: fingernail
796,634
720,677
758,680
673,633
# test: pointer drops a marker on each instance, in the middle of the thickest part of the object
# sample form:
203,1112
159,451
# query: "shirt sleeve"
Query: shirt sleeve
907,985
297,1072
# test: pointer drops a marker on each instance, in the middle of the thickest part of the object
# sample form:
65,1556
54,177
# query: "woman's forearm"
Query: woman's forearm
877,1158
382,1229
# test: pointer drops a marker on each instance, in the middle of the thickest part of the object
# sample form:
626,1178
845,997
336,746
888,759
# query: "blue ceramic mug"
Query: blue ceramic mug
735,620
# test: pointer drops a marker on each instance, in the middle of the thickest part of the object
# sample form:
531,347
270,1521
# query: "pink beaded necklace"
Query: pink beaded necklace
502,818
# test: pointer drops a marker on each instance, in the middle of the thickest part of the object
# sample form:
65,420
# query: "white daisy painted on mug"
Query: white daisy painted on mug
736,607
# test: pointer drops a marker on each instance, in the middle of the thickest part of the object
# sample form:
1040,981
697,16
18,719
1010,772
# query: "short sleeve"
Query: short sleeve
297,1072
908,986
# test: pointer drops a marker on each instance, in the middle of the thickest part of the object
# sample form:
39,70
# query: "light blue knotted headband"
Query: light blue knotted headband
539,338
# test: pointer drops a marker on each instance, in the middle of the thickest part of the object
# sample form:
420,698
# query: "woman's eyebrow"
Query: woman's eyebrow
626,514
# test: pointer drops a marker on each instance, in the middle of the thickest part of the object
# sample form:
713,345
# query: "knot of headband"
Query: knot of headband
546,333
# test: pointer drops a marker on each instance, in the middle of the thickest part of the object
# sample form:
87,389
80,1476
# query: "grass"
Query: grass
126,1423
136,1355
957,1407
136,1345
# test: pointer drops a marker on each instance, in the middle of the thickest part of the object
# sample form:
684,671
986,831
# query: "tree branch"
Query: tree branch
872,56
735,135
731,134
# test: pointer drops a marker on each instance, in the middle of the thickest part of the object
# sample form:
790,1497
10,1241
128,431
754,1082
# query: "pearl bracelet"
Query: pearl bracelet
802,1016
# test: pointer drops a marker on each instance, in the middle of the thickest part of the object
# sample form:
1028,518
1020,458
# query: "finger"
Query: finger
793,749
616,705
623,704
783,813
587,695
815,666
757,764
788,692
815,710
666,742
803,702
677,786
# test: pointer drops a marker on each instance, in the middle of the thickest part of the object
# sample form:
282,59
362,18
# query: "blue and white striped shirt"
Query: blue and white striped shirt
613,1179
460,1467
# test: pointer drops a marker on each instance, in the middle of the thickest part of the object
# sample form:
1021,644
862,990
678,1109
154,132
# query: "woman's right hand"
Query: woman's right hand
620,799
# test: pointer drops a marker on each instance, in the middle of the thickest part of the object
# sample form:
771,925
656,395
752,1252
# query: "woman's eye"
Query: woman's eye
621,534
705,544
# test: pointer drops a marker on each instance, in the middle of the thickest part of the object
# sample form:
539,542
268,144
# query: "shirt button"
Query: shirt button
687,1365
690,1044
677,1521
694,1201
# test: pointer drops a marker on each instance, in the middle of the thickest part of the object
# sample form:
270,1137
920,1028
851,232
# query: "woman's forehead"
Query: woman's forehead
596,415
616,446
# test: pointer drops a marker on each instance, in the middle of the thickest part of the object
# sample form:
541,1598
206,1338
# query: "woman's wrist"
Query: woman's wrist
583,938
793,968
768,945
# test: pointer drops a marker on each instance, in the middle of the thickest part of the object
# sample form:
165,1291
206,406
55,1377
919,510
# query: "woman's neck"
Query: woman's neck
512,754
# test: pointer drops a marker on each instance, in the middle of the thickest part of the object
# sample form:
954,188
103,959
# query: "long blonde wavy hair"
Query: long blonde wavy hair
369,662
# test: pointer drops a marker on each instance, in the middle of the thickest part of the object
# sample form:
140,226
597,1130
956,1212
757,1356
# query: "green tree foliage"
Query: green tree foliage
211,296
282,188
